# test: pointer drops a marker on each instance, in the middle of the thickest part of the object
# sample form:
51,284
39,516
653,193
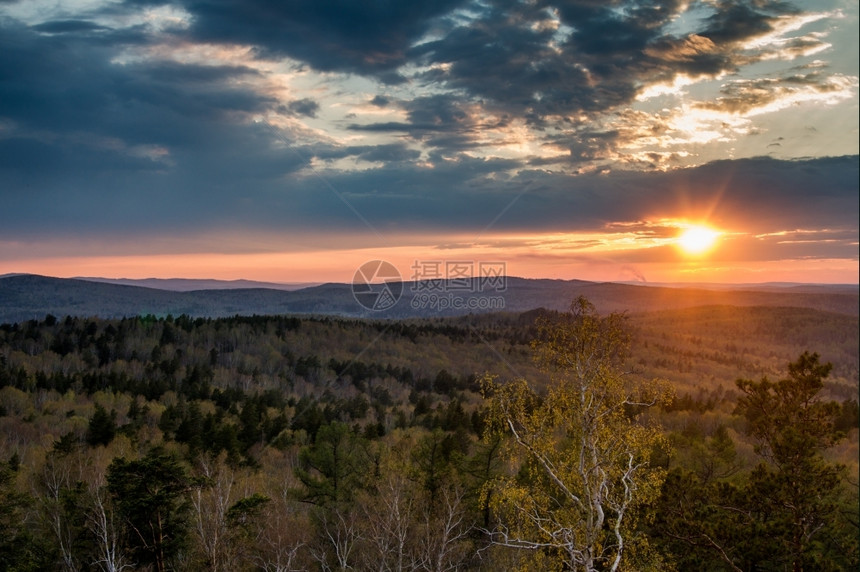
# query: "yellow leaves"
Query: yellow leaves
582,453
581,343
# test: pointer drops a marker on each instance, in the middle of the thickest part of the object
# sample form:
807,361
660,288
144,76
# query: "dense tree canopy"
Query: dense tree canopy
282,443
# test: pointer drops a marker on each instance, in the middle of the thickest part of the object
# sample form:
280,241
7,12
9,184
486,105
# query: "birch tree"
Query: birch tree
61,488
105,529
445,529
389,521
210,503
582,452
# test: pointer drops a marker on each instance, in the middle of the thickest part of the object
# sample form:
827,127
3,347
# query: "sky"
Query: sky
293,141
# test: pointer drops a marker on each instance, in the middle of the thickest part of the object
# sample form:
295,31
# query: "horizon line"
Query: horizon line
314,283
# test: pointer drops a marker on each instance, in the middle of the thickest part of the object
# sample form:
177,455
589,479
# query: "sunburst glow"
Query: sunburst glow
697,239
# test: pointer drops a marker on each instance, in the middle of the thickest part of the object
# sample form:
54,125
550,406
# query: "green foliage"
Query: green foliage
789,511
796,487
20,546
102,427
334,467
245,510
691,522
244,518
787,417
150,494
434,459
67,443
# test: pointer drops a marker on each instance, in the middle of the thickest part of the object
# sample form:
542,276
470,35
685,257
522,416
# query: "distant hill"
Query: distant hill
778,287
189,285
24,297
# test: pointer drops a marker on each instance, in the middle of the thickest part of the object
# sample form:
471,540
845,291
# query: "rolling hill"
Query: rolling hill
24,297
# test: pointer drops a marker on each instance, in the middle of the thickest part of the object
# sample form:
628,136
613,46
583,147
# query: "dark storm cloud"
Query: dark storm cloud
380,101
736,21
386,153
591,145
306,107
330,35
67,26
467,194
387,126
623,51
395,152
509,55
694,54
37,160
65,83
616,26
759,193
512,57
444,112
443,121
174,73
89,142
504,60
513,61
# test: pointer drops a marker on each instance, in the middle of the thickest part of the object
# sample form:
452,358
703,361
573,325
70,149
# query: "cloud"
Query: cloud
307,107
745,96
385,153
553,79
331,35
71,83
738,21
380,101
68,26
553,60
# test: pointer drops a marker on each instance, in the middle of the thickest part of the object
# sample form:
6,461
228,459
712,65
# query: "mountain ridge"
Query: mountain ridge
27,296
194,284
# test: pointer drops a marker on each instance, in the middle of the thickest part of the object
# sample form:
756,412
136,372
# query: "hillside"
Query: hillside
189,285
24,297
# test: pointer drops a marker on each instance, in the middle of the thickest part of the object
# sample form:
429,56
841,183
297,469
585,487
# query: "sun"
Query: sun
697,239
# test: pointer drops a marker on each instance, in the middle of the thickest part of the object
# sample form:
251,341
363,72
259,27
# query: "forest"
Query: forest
709,438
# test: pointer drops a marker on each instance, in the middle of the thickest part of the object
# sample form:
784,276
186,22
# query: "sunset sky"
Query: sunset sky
292,141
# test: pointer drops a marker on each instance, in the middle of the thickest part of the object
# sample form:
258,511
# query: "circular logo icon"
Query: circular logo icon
377,285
